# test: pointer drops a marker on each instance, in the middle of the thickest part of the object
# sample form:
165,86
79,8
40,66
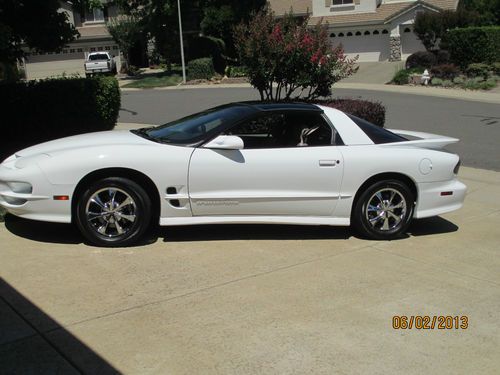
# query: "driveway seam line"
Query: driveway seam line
201,290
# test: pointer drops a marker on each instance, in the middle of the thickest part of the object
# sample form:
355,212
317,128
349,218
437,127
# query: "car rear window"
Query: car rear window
377,134
98,56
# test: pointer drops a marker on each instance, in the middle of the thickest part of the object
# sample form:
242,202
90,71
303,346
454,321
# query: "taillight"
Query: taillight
457,167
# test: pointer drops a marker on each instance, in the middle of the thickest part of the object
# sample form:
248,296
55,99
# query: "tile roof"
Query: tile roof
383,13
280,7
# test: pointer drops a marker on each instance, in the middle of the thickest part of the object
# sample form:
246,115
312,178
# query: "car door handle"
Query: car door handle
328,163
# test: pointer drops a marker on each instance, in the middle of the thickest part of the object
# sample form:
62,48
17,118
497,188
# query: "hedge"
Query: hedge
40,111
473,45
201,68
373,112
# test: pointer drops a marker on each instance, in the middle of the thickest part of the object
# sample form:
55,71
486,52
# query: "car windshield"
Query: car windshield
98,56
197,127
377,134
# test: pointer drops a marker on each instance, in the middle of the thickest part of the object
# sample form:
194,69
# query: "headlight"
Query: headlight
457,167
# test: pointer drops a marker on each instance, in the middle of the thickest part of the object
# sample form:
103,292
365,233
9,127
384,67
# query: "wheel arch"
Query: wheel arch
138,177
386,176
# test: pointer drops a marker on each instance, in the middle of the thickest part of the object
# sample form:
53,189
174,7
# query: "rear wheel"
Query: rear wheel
113,212
384,211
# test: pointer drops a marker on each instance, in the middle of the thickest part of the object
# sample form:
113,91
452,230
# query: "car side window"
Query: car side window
281,130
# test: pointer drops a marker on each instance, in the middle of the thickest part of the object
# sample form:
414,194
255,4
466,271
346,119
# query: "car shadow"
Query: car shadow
231,232
430,226
69,234
42,231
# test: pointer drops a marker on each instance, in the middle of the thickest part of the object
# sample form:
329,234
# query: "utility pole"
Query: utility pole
182,42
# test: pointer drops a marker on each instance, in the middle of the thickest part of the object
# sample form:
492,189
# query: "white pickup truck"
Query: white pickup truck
99,62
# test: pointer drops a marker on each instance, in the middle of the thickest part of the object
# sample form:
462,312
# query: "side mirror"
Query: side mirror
226,142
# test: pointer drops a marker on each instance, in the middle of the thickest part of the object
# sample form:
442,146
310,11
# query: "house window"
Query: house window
94,15
385,31
341,35
358,32
79,50
342,2
349,34
332,35
100,48
115,47
407,30
367,32
376,32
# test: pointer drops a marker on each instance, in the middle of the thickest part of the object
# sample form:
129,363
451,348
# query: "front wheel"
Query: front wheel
384,210
113,212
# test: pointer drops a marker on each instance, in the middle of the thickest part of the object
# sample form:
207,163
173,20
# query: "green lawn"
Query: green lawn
155,80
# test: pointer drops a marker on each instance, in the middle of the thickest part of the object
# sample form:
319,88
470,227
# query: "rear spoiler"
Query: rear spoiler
425,140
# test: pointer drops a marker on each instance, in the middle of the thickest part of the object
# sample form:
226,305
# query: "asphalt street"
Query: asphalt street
477,124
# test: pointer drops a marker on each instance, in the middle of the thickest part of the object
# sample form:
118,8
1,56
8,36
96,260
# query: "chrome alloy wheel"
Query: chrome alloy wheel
386,209
111,212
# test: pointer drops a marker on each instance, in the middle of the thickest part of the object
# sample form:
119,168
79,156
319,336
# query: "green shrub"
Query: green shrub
474,84
208,46
473,45
373,112
458,80
201,68
496,67
132,70
478,70
421,59
236,71
436,81
478,79
447,83
402,76
445,71
489,84
40,111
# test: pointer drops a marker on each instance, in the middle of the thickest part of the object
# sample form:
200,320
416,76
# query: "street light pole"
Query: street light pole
182,42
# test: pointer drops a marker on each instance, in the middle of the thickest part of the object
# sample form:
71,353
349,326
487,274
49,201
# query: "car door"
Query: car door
282,169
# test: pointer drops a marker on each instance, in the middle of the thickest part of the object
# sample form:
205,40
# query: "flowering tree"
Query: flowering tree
286,59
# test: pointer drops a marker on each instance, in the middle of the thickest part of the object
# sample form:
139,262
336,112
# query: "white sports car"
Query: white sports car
246,162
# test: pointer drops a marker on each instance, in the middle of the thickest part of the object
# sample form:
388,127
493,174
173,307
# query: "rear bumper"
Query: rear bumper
430,201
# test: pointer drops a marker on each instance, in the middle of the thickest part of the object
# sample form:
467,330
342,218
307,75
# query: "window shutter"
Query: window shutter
328,3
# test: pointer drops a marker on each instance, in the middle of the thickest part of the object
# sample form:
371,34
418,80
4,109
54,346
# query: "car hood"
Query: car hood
106,138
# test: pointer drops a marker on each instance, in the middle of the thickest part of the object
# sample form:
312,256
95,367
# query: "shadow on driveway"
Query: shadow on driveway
69,234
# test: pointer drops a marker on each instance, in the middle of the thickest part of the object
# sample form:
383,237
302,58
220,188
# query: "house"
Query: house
376,30
94,36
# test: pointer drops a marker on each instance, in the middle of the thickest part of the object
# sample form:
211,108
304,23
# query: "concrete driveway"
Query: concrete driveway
255,299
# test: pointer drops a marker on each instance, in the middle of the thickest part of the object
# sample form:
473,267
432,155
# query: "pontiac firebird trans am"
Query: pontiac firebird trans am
249,162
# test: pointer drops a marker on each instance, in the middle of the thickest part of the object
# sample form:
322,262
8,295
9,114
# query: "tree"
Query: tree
487,10
286,60
36,24
126,31
430,27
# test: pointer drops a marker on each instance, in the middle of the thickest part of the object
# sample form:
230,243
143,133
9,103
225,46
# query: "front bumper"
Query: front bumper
431,202
37,204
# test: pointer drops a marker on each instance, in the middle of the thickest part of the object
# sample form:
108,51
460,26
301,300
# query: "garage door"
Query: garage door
410,43
49,65
368,47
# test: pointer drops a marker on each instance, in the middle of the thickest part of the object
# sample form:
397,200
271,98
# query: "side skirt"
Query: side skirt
298,220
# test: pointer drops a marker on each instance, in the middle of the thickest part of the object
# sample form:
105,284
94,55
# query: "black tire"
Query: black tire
118,205
379,220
